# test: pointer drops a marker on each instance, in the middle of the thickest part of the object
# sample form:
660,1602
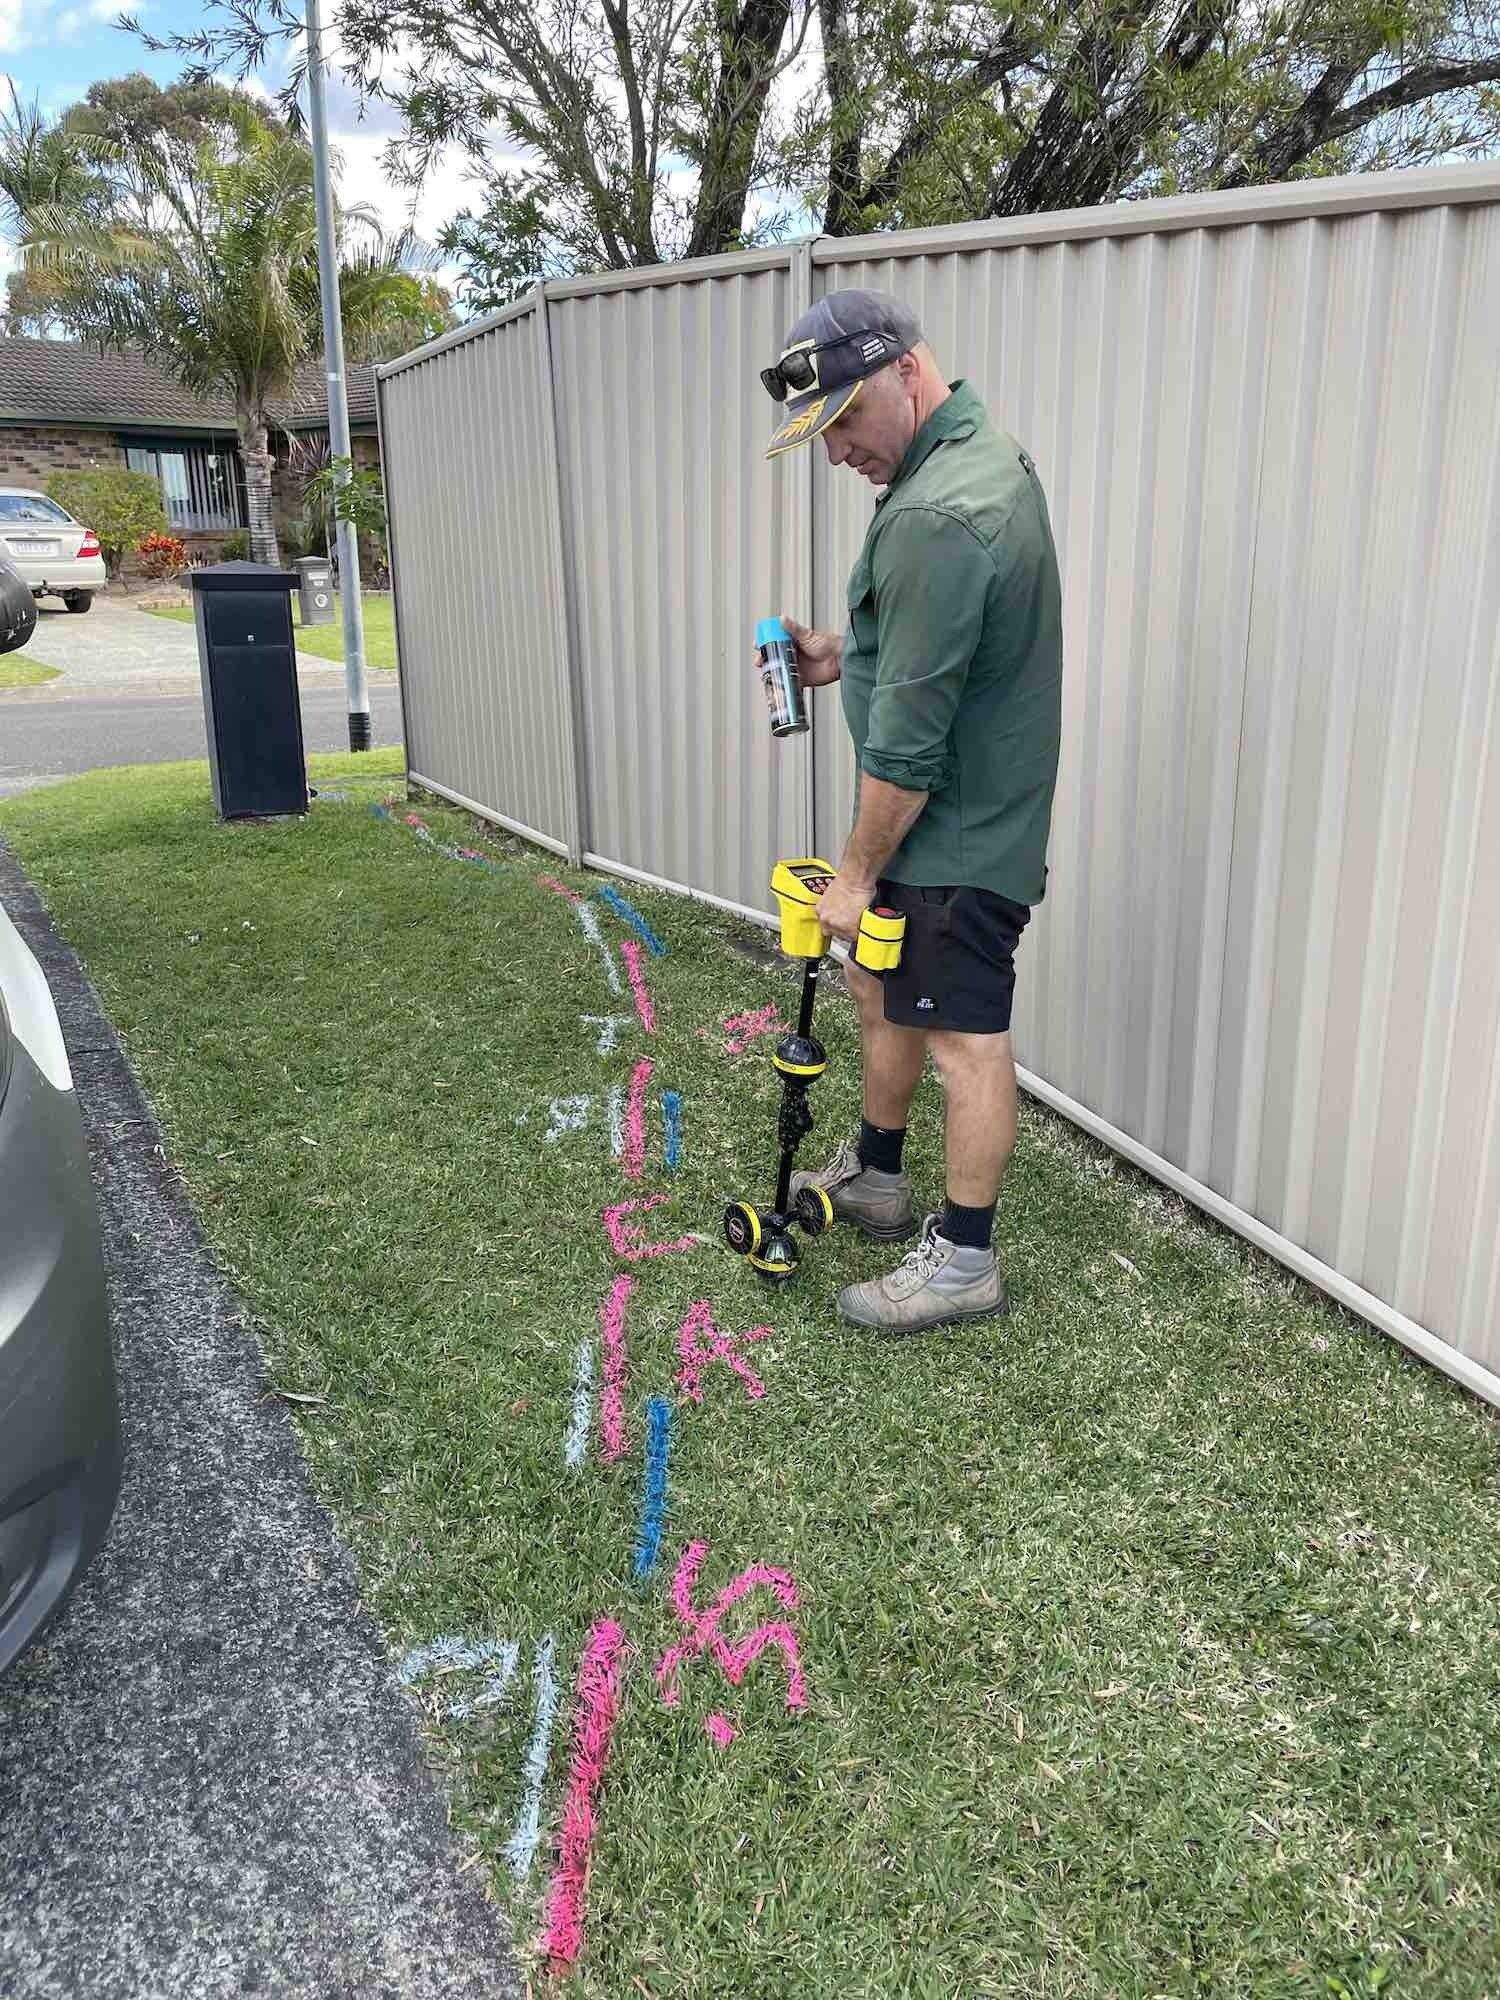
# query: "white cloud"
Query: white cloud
13,33
362,180
455,180
73,22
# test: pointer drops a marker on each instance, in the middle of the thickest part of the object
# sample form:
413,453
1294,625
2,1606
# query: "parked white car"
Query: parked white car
60,1447
56,555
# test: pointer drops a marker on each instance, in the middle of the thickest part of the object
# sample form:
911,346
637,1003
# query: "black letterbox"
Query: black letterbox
243,612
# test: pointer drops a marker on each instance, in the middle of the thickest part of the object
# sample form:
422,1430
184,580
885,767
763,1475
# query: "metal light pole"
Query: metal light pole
355,686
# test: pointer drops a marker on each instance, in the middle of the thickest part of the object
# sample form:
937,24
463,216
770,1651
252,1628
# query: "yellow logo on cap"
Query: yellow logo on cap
800,425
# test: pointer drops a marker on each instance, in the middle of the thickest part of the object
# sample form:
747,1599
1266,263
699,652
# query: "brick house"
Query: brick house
65,406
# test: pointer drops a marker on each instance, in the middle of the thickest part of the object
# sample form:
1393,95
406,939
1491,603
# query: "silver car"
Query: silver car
57,555
59,1421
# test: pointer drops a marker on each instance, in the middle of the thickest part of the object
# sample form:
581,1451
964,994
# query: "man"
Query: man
951,674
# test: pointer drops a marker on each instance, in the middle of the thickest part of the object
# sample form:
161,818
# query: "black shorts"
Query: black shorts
958,965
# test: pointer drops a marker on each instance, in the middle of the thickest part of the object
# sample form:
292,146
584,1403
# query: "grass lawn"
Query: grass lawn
1149,1641
16,671
328,640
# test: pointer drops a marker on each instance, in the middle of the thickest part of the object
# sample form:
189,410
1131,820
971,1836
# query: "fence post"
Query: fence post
578,818
390,558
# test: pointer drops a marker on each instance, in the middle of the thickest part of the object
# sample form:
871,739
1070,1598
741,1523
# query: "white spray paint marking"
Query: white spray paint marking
496,1687
568,1114
583,1406
522,1845
609,1026
617,1120
588,923
457,1655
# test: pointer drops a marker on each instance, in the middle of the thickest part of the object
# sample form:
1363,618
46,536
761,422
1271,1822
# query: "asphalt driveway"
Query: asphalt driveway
209,1782
43,741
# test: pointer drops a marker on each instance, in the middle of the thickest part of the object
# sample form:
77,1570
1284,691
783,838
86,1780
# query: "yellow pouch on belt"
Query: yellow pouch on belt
881,935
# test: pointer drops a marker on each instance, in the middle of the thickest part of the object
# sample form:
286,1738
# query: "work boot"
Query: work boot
879,1204
936,1284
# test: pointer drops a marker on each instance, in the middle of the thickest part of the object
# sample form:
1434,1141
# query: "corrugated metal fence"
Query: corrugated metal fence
1268,969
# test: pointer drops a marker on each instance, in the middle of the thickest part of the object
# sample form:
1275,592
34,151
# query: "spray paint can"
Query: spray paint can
777,652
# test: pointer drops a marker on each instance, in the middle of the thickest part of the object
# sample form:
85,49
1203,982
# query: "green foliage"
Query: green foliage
305,534
120,507
360,498
235,547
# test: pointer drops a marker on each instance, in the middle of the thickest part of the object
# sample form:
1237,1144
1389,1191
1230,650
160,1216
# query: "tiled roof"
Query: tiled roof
69,382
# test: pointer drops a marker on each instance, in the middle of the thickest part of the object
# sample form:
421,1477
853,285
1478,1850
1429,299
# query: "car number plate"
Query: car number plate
36,548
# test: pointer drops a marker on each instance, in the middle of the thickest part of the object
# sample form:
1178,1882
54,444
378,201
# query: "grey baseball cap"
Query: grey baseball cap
828,354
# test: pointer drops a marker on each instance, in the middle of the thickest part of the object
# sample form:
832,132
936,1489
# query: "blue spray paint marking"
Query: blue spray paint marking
430,839
522,1845
671,1111
654,1489
635,920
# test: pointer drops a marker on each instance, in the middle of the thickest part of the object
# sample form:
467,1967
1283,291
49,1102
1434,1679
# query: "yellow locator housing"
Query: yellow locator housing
797,886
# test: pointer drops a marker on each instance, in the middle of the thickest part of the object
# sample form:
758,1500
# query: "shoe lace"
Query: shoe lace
920,1263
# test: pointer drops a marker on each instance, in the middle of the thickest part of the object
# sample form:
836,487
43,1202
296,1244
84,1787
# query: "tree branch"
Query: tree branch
1319,120
1081,149
748,43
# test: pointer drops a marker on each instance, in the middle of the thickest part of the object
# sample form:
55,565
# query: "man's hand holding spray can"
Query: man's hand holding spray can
776,651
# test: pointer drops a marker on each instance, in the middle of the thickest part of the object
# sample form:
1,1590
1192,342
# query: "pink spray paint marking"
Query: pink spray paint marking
742,1029
700,1343
720,1729
551,882
599,1678
634,958
616,1370
629,1242
704,1636
635,1122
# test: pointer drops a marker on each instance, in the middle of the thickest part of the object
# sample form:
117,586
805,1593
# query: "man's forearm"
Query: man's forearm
886,815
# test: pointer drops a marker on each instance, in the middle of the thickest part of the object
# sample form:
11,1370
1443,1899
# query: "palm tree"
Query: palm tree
43,167
220,285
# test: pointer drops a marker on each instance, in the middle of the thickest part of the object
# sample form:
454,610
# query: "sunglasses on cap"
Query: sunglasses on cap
797,370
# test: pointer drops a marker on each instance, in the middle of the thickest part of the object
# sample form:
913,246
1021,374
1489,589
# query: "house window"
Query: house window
200,485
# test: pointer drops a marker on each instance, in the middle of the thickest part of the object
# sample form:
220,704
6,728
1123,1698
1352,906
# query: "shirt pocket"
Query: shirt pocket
862,606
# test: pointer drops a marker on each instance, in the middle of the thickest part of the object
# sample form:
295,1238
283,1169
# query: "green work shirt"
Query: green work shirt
952,670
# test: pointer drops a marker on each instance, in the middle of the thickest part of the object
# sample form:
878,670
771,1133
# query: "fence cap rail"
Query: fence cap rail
690,271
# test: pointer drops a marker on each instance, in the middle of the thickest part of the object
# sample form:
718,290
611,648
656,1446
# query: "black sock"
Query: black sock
880,1148
971,1228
